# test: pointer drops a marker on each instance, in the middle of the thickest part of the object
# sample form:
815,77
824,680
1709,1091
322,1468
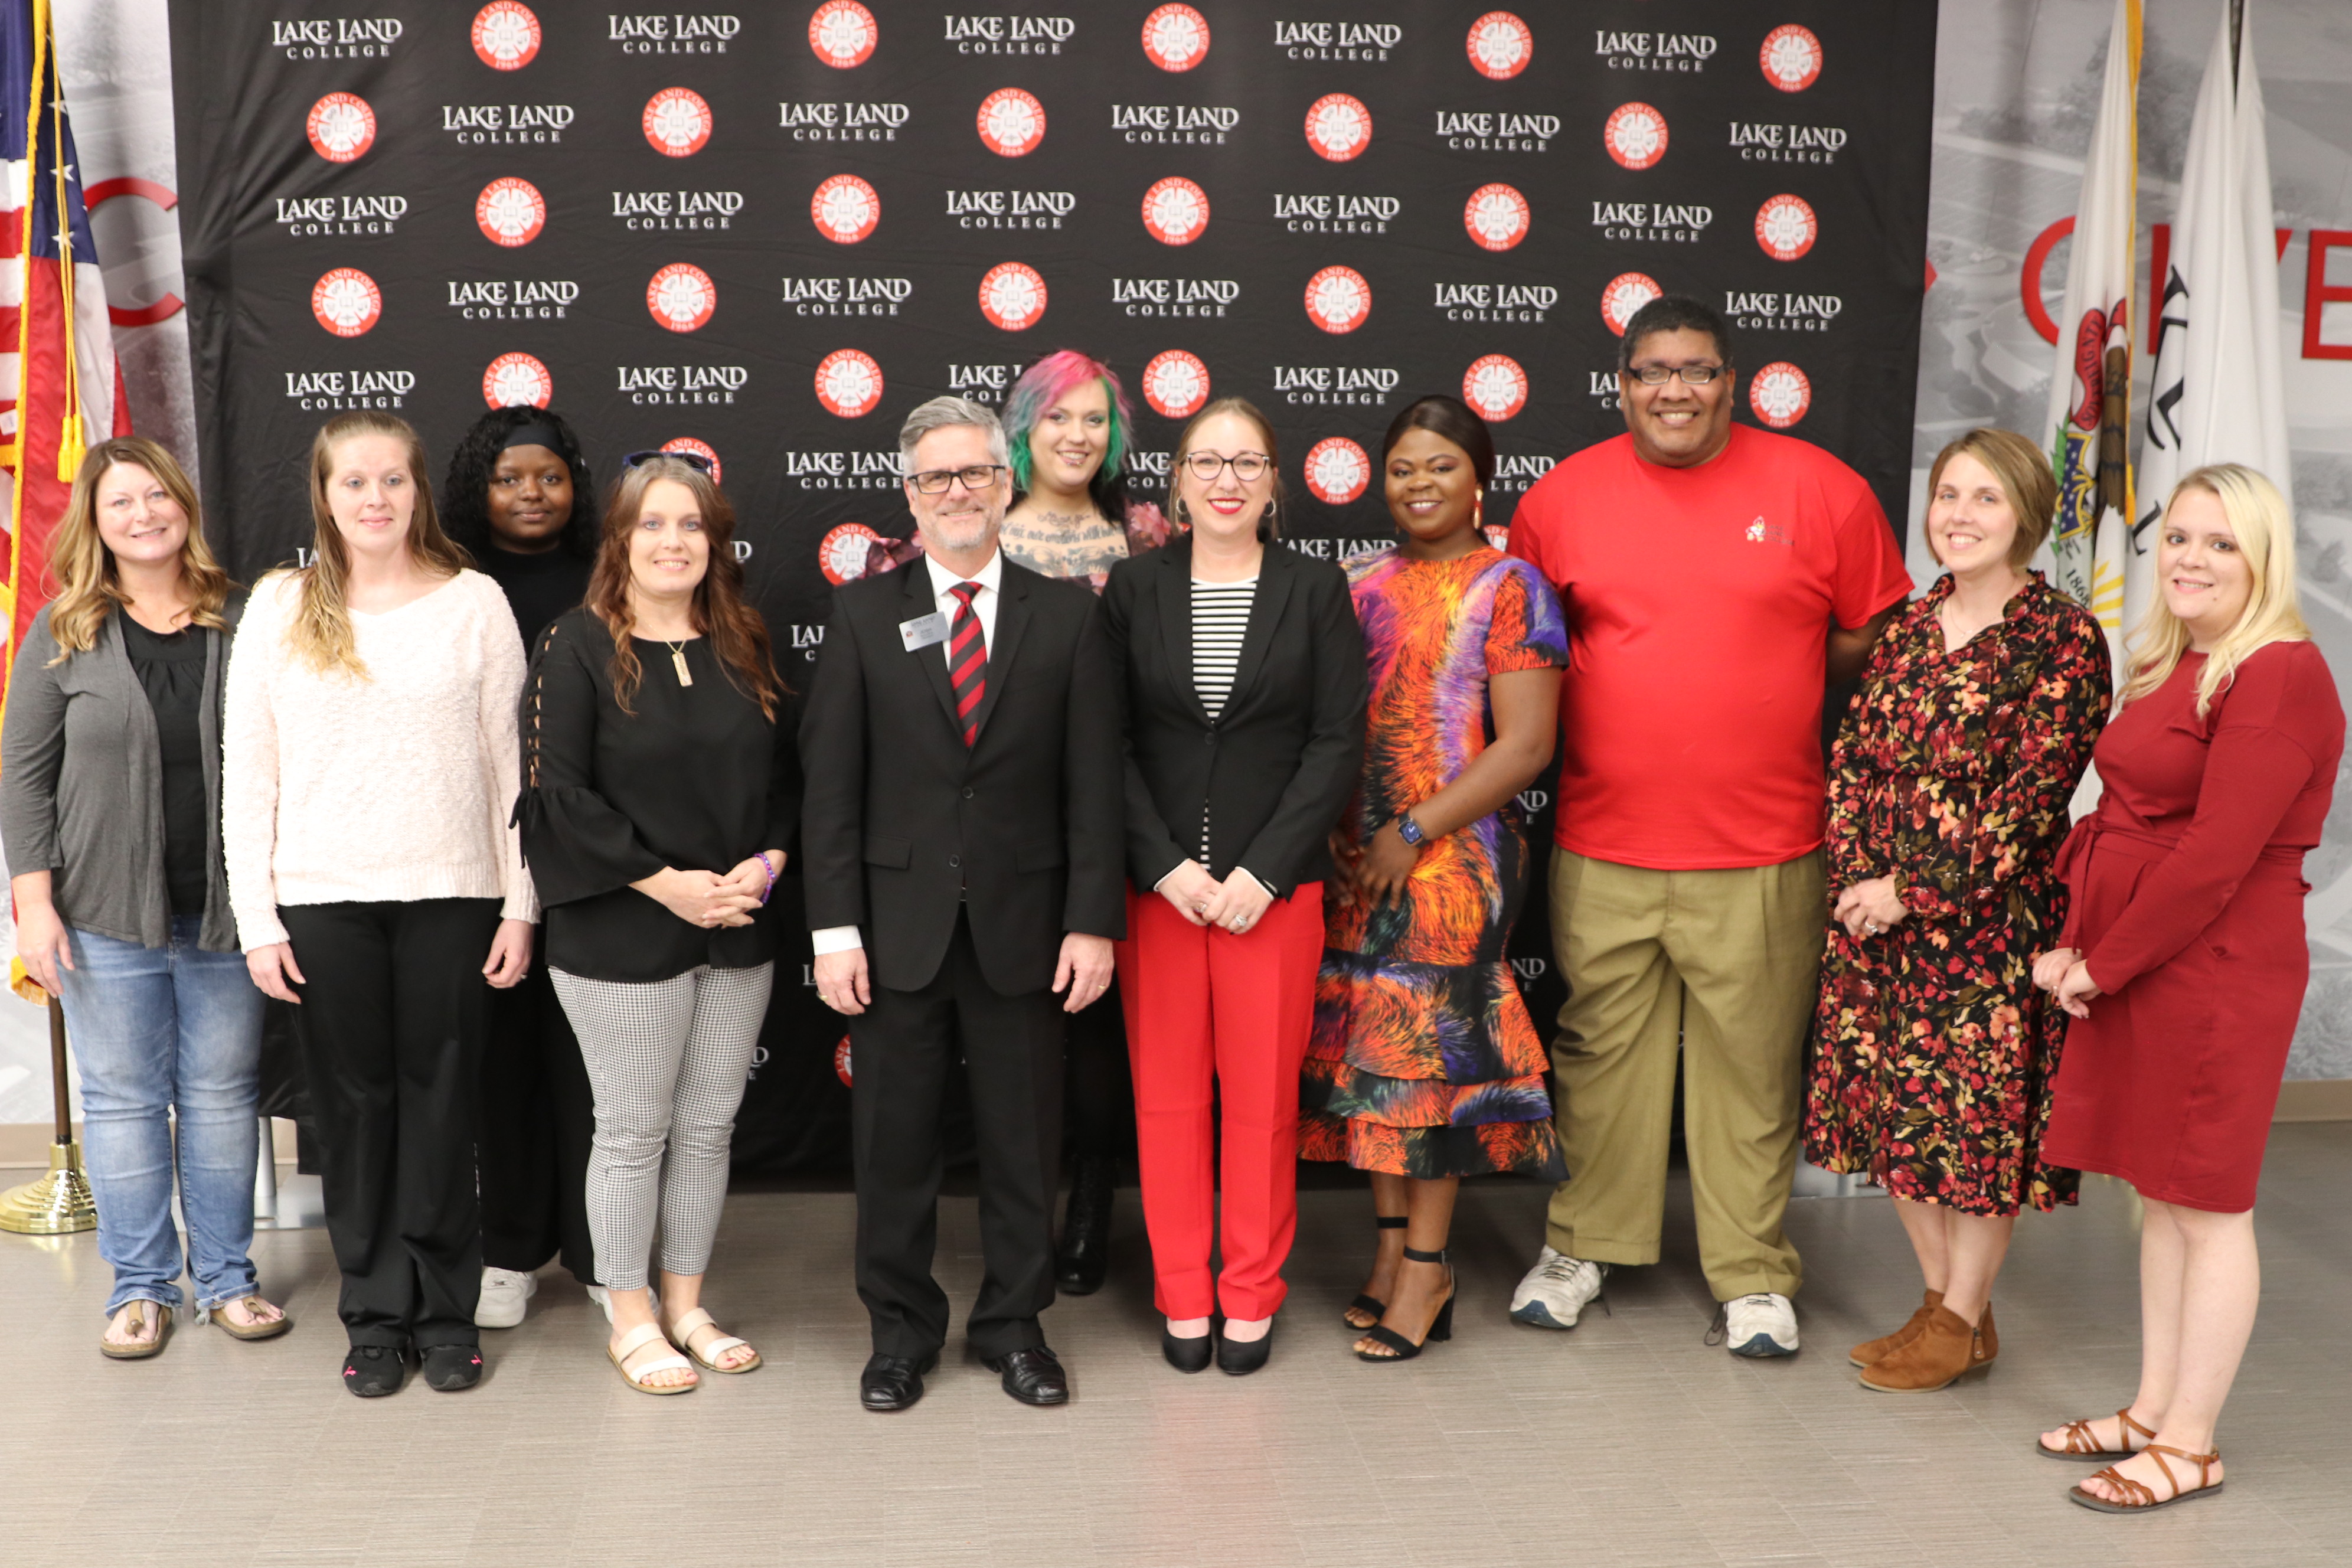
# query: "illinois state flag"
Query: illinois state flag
59,388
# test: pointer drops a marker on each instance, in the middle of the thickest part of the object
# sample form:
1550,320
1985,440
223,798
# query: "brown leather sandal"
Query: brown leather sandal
2142,1499
140,1349
2081,1445
260,1329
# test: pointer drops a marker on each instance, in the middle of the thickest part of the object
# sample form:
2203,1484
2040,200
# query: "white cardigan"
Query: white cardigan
397,787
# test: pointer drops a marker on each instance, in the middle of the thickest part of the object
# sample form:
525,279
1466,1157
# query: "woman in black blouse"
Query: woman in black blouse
660,795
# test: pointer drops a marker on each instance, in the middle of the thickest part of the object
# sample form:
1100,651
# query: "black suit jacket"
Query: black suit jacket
901,823
1280,763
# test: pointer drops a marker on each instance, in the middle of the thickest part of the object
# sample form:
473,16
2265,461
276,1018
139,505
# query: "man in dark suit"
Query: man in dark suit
961,841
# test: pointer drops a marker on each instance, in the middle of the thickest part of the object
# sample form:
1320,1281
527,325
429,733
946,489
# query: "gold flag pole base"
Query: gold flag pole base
58,1203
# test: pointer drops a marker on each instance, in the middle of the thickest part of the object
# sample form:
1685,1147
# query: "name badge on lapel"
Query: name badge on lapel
923,631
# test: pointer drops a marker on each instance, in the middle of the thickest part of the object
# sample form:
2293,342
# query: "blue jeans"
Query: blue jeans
156,1031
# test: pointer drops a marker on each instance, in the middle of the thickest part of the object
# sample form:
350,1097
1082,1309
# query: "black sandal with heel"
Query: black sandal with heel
1378,1309
1440,1327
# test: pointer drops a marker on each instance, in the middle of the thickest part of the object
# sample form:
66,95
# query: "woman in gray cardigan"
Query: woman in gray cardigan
110,810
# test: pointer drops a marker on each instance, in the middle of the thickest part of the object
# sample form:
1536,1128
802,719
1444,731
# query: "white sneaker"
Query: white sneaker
1764,1324
1556,1291
504,1292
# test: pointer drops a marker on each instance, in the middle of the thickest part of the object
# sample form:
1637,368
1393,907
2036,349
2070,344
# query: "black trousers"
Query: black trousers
538,1119
1100,1087
903,1053
394,1010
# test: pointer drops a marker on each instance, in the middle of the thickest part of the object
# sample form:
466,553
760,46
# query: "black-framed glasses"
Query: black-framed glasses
694,460
1248,467
935,481
1691,375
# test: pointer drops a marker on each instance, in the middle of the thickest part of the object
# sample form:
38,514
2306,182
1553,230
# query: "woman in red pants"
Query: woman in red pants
2183,963
1242,674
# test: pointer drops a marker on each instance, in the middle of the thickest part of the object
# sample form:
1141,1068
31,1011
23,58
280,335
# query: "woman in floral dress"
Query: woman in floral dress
1425,1066
1933,1054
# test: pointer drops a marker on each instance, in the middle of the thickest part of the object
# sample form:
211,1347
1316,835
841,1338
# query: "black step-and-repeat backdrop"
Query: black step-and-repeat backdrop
767,233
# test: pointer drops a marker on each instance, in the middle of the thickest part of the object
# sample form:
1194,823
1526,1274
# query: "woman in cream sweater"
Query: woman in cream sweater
370,770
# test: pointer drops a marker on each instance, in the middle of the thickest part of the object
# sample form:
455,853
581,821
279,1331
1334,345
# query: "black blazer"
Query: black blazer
1279,764
902,824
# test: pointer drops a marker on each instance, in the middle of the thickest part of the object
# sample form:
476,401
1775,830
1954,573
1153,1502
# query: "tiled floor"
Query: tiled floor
1626,1442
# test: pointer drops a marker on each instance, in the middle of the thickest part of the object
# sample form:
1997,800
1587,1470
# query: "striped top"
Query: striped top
1220,617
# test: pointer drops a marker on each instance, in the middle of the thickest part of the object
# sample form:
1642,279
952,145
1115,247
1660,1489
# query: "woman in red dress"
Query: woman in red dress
2183,962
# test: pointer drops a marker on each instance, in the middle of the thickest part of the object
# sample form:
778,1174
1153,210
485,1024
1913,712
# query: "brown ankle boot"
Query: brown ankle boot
1871,1351
1987,1342
1945,1348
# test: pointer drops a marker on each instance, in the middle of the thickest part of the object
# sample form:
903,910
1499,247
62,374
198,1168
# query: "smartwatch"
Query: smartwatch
1410,831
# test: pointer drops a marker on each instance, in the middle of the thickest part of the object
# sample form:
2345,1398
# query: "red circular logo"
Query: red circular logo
1626,293
1013,295
1176,383
1500,46
842,34
1635,135
686,445
506,35
1786,227
1792,58
1337,470
1175,38
1780,393
1338,299
1338,127
848,382
841,1061
513,381
1496,216
677,121
845,209
341,126
1498,534
347,301
1175,211
1496,386
842,555
1011,122
681,296
510,212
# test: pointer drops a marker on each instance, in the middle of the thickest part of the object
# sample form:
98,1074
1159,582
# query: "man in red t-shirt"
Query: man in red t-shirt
1716,577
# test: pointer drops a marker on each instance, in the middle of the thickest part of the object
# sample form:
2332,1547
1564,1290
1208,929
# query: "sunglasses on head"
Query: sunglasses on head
694,460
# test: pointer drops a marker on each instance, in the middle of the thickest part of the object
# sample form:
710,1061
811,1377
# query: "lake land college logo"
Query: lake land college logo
688,446
1496,386
510,212
1175,38
1635,135
841,555
341,126
848,383
1175,211
1337,470
1786,227
1013,296
1626,293
677,121
1338,127
347,302
1500,46
1011,122
1780,393
841,1061
842,34
1176,383
506,35
1339,299
1496,216
681,296
844,209
513,380
1791,57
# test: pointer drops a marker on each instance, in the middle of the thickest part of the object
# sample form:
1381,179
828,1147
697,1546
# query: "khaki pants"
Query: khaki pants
1722,964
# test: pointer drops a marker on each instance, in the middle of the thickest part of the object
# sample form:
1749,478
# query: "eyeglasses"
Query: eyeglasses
935,481
1248,467
1659,374
694,460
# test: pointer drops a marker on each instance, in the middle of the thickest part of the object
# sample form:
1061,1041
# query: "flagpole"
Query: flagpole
60,1202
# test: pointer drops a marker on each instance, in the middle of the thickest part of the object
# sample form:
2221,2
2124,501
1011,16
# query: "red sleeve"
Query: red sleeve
1870,575
1531,529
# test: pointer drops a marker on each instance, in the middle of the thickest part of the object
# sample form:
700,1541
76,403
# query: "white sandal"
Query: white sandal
683,1330
636,1340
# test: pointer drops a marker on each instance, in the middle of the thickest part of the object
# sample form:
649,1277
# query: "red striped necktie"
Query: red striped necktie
967,660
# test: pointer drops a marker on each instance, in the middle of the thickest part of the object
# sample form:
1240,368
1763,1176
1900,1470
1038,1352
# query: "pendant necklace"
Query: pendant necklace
678,663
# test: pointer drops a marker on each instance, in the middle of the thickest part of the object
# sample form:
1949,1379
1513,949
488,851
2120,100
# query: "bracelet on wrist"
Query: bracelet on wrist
769,867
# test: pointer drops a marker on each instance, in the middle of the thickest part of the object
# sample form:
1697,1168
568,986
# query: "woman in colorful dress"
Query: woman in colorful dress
1933,1054
1425,1066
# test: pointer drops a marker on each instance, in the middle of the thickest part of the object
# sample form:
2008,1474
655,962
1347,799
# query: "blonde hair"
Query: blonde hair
322,628
2026,480
2265,528
88,585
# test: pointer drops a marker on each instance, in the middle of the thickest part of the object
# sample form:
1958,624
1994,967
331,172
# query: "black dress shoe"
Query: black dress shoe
373,1371
1187,1355
449,1368
1084,1256
892,1382
1032,1375
1242,1357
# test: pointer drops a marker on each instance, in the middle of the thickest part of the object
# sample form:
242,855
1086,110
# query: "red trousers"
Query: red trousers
1205,1007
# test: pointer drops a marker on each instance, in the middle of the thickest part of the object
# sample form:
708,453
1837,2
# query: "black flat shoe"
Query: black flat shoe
1441,1327
893,1382
1032,1375
1083,1259
1239,1358
1187,1355
1371,1305
450,1369
372,1372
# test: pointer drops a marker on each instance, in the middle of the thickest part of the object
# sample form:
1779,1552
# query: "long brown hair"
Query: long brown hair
321,630
737,636
88,585
1269,522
